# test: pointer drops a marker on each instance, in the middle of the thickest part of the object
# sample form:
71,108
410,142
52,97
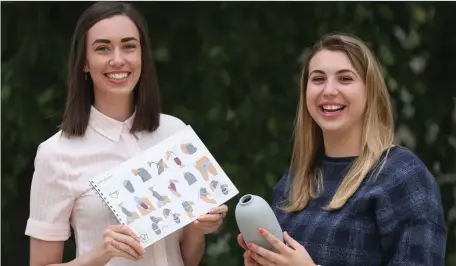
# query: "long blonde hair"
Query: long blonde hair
377,135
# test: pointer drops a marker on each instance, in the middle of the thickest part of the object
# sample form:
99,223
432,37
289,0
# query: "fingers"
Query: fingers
264,254
122,229
208,226
259,260
276,243
126,251
241,242
248,259
291,242
210,218
130,242
219,210
123,238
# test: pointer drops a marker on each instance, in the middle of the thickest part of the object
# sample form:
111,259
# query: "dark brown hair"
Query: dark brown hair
80,91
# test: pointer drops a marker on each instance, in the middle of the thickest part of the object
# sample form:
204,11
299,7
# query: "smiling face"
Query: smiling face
113,55
335,94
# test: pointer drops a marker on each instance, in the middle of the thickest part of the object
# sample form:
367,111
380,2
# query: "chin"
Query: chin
332,127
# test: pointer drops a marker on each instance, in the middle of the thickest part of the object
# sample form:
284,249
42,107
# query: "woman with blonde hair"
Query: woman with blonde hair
350,196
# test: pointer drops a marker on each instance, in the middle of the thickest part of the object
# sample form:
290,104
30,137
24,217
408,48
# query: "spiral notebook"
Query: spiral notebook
166,187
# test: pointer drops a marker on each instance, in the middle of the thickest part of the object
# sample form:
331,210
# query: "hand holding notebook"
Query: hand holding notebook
166,187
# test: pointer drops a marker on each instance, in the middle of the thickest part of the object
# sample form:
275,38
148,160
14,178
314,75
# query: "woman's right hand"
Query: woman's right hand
248,260
121,241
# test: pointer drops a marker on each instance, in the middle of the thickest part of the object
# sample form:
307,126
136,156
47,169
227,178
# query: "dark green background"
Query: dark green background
231,70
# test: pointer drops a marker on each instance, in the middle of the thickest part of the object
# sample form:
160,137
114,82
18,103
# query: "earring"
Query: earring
85,72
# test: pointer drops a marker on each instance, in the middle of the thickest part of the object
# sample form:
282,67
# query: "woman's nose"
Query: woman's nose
118,59
330,88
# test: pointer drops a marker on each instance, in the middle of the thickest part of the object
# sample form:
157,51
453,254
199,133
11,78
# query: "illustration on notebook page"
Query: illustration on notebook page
155,224
188,148
160,166
188,208
172,155
190,178
128,186
176,218
205,167
205,196
224,189
145,176
162,199
173,188
169,213
131,216
114,194
144,205
143,237
213,185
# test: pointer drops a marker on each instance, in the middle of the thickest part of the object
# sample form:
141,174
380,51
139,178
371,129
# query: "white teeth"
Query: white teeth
332,107
117,76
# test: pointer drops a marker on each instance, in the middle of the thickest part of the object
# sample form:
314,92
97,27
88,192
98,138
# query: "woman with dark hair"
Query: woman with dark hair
112,114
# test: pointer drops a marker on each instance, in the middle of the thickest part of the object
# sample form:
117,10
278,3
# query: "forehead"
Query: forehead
330,61
114,28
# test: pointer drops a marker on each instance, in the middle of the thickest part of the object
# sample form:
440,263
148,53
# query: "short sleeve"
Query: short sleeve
51,197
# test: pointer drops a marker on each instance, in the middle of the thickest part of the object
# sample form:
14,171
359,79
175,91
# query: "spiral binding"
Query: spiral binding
106,202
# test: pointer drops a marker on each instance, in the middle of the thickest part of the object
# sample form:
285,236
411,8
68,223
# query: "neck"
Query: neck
345,145
119,108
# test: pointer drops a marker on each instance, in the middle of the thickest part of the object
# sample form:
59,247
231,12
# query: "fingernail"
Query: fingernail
261,231
250,244
252,254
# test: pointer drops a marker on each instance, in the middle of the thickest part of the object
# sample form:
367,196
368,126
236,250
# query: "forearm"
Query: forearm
92,258
192,247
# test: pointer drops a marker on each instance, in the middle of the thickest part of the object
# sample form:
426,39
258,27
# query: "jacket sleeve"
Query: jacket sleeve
410,218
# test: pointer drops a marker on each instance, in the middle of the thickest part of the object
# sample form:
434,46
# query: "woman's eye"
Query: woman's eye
102,48
130,46
318,79
346,79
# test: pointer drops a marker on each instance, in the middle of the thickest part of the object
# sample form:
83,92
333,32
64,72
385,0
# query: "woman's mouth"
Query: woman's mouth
118,76
332,108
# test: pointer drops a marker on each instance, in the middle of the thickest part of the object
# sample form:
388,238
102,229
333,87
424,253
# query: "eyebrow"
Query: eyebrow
106,41
337,72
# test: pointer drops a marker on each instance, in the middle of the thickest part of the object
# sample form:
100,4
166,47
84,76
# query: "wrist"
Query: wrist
99,257
195,231
96,257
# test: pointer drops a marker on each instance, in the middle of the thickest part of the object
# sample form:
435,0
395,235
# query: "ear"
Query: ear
86,67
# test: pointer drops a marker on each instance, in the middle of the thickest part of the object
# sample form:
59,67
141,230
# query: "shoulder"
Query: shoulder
49,150
406,184
402,165
49,165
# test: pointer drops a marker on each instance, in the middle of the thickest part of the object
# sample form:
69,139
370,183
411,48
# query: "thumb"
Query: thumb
241,242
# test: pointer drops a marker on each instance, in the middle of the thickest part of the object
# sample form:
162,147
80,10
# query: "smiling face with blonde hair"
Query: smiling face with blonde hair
342,93
335,93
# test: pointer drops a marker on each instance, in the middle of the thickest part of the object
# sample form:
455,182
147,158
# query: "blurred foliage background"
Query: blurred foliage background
231,70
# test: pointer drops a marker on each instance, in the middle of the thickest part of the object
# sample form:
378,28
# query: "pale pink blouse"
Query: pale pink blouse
61,196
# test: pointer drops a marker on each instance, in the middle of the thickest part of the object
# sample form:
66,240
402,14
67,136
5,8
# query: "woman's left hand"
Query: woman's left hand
211,221
289,255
